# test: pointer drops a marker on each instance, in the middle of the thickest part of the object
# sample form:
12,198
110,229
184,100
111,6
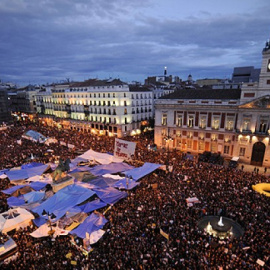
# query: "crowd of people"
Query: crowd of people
133,239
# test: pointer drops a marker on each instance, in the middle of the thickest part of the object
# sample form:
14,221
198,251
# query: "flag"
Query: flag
164,234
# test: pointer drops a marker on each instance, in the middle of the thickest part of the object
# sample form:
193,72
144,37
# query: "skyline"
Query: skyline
49,41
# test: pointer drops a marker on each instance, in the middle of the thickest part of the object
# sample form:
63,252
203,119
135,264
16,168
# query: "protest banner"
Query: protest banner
124,149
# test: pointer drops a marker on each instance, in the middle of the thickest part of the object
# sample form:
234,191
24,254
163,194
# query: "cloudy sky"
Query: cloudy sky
50,40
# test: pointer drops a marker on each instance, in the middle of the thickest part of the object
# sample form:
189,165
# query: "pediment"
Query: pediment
259,103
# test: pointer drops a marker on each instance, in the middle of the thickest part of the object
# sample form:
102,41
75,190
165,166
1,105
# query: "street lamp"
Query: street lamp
168,139
50,217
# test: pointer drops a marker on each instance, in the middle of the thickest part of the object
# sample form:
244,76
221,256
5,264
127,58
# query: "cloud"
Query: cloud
49,40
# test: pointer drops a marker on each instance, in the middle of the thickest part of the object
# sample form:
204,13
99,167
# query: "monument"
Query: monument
60,177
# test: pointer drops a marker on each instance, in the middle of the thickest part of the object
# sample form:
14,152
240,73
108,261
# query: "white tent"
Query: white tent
15,219
101,158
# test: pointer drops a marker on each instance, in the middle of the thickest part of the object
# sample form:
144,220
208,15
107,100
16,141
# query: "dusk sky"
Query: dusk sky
44,41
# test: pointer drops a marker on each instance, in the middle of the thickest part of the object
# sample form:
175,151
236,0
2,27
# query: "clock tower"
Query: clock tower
264,82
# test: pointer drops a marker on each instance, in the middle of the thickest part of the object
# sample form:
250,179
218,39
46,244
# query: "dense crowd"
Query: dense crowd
132,239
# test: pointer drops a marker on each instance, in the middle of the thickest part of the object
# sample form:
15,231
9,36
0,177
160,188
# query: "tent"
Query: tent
101,158
91,206
63,200
110,195
34,136
140,172
126,183
19,174
93,223
102,182
14,219
110,168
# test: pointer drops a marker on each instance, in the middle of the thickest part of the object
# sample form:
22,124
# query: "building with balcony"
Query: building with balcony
232,122
101,106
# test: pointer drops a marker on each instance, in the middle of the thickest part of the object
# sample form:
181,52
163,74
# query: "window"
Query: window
179,120
178,133
263,123
189,143
202,121
246,122
226,149
215,122
229,122
201,145
164,119
190,120
125,112
242,151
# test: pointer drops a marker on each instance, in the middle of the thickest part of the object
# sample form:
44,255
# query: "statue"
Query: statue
62,167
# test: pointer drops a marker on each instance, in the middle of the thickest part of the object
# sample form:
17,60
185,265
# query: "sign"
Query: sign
124,149
164,234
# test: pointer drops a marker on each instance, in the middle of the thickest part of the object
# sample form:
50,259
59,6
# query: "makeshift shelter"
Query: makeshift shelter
14,219
63,200
25,173
126,183
91,206
101,158
34,136
110,195
93,223
140,172
110,168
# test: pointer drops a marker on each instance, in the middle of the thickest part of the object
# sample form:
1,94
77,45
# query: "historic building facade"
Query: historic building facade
101,106
232,122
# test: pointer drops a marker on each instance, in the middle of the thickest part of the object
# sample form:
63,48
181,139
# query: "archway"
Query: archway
258,154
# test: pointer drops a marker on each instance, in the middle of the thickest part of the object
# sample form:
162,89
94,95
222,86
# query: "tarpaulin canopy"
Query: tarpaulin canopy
93,223
102,182
15,201
140,172
63,200
37,185
34,196
110,195
34,136
14,218
14,175
9,191
110,168
126,183
101,158
91,206
43,231
31,165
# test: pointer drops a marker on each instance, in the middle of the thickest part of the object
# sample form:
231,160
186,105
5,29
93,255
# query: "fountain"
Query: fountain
220,227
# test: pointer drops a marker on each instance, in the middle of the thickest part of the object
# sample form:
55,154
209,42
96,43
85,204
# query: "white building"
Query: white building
102,106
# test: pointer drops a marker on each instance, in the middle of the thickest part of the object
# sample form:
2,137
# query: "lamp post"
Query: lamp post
50,217
168,139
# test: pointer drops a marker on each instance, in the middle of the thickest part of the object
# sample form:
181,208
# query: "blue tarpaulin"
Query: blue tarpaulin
64,200
93,223
37,185
15,201
110,168
34,135
39,221
110,195
102,182
91,206
11,190
14,175
34,196
31,165
140,172
126,184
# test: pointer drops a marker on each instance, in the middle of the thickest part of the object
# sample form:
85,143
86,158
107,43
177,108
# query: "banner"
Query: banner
69,145
124,149
164,234
63,143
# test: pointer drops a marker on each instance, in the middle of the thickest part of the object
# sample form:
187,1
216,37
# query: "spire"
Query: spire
165,71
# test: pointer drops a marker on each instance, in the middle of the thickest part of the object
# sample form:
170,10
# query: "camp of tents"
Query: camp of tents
75,206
